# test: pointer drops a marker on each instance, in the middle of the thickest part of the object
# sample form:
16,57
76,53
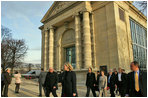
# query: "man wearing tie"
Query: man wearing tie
137,82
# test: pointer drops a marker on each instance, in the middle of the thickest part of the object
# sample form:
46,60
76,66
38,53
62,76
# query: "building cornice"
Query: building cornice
41,27
133,8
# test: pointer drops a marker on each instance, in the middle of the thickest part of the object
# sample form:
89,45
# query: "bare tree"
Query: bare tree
5,33
5,54
142,5
13,52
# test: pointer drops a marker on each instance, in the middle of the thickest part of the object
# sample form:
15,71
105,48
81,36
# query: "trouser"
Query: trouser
48,91
122,89
6,90
117,90
112,92
17,87
88,91
102,91
40,89
2,86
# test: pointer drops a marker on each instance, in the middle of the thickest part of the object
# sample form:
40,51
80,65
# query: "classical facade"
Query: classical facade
99,34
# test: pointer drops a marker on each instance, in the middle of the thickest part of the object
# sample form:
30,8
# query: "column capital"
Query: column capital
76,14
52,27
47,29
85,10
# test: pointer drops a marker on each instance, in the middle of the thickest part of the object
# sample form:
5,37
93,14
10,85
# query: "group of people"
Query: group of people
133,84
113,80
6,79
49,82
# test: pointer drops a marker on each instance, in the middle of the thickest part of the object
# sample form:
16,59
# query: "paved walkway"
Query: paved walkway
29,88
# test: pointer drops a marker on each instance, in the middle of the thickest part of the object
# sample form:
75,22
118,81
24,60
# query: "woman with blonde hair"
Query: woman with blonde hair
103,85
69,82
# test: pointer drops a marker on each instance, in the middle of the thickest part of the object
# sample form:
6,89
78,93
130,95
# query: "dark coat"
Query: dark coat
2,76
124,80
69,84
60,77
142,84
51,80
90,80
7,78
112,81
98,77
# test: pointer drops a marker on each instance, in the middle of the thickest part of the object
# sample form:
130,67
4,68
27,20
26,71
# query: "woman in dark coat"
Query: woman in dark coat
69,82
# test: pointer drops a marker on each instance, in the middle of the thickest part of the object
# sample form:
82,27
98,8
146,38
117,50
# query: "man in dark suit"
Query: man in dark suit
116,88
121,81
137,81
111,83
97,82
51,83
114,70
7,81
90,82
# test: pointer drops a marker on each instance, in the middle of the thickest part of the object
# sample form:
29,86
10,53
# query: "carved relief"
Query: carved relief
61,5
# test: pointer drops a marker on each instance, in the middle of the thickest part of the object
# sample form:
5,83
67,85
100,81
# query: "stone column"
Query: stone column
78,42
59,56
93,40
87,40
46,50
51,46
42,55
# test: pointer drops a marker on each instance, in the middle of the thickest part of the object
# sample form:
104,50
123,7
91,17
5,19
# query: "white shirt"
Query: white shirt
119,77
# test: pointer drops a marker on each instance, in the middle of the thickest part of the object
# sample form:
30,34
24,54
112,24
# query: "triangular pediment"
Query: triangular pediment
56,7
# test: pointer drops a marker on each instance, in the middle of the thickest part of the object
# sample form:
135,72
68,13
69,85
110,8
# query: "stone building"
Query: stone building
100,34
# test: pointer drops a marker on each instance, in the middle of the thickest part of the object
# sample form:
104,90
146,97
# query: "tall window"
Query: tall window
71,56
139,42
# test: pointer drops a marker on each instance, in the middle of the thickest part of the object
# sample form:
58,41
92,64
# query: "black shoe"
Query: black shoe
40,95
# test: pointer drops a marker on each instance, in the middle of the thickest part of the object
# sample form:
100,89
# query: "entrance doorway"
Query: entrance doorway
71,56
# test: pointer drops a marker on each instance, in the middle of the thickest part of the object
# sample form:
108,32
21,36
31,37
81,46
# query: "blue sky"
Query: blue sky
23,18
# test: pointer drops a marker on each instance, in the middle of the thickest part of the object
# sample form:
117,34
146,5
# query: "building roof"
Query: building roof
58,6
